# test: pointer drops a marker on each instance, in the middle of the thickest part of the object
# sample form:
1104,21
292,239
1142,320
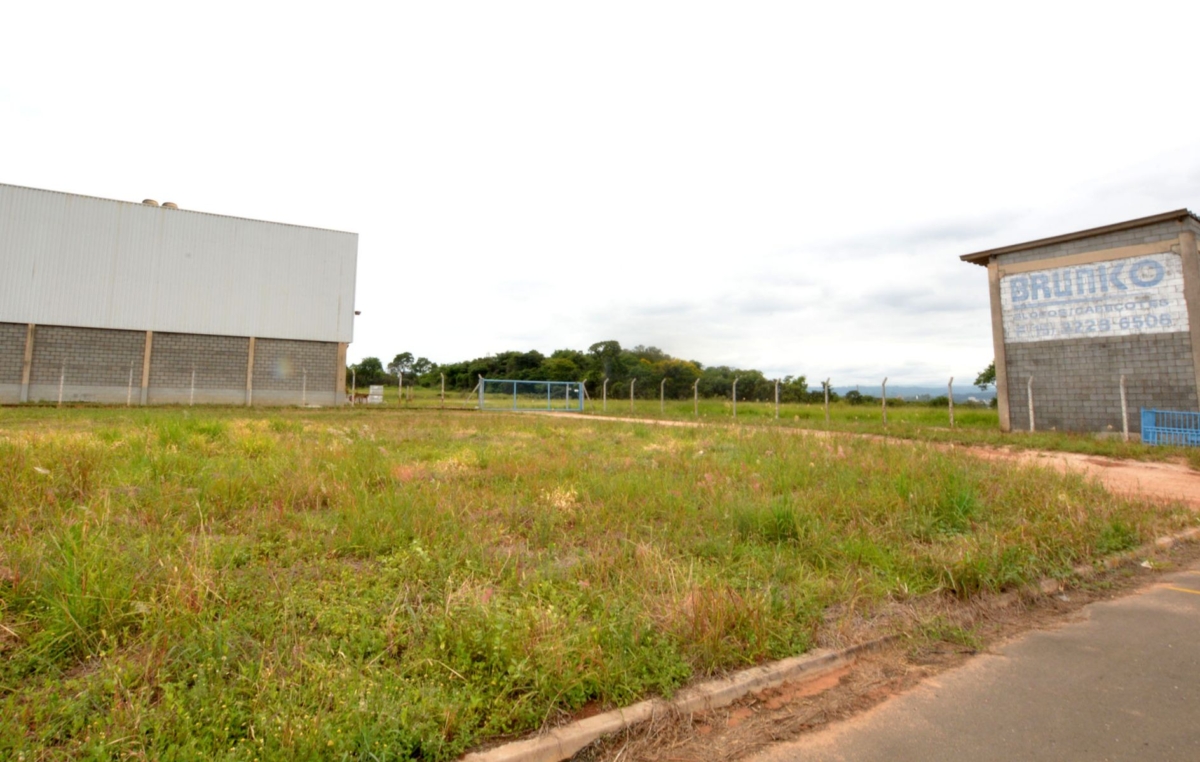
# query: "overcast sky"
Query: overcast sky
783,186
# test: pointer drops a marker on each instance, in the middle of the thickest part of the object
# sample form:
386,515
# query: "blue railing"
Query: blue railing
1170,427
506,394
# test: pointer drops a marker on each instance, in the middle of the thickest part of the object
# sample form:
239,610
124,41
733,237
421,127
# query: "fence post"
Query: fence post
1124,412
735,380
400,391
662,397
827,401
950,391
514,395
604,394
353,385
631,385
480,387
129,394
1029,392
62,379
192,393
442,404
777,399
885,400
696,398
304,388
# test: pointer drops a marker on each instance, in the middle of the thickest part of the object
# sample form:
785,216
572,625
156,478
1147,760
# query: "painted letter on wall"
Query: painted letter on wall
1118,298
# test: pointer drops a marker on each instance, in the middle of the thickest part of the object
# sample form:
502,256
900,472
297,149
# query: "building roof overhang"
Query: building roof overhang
982,257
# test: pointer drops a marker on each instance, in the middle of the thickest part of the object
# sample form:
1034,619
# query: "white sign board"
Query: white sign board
1118,298
375,395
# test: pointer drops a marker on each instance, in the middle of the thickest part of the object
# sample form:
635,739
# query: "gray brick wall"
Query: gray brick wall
1163,231
219,361
92,356
279,366
12,352
1076,381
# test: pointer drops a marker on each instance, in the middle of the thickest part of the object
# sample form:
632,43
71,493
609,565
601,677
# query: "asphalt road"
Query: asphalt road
1121,684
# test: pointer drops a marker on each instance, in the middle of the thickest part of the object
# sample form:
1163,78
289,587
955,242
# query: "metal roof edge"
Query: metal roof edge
189,211
982,257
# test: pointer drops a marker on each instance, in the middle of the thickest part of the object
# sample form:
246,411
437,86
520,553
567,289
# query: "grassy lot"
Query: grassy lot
973,425
233,584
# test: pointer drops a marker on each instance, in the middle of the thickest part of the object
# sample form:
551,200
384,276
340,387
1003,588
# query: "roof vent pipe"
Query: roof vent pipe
170,205
149,202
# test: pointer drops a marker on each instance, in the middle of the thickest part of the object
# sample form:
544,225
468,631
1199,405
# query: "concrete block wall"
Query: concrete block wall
1163,231
12,360
219,362
280,372
99,362
1076,382
94,364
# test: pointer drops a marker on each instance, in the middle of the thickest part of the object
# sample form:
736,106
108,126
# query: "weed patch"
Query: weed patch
317,584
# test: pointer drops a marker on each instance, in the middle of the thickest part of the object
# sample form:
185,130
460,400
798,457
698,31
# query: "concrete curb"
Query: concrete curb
1049,586
562,743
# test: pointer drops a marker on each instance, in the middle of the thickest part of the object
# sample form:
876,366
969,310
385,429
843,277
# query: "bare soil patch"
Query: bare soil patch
1153,480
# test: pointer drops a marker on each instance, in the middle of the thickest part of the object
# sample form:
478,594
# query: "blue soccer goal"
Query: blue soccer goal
503,394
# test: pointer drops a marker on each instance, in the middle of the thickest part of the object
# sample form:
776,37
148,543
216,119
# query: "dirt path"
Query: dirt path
1157,481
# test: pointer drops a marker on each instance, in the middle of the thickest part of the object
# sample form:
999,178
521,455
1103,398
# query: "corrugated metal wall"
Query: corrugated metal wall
81,261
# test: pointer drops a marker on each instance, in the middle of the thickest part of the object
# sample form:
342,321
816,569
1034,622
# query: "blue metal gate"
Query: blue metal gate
1170,427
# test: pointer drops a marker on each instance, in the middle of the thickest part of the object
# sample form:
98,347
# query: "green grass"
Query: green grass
972,425
233,584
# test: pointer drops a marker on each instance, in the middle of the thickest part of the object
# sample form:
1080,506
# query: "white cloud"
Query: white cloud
770,185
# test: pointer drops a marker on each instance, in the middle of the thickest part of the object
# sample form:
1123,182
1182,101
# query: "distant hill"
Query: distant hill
909,392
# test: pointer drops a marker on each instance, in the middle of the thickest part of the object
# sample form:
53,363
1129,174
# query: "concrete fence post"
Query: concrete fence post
129,392
777,399
662,397
827,401
950,396
1124,412
735,380
192,393
400,391
353,384
604,396
696,398
249,369
631,385
885,400
1029,393
62,380
442,404
304,387
27,361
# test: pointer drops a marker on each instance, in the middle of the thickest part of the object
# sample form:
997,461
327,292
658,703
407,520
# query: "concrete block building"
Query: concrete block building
1074,313
135,303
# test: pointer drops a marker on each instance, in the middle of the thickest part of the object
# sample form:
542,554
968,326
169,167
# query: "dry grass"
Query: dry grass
293,585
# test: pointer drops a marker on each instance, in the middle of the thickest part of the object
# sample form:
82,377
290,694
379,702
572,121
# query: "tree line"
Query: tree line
645,367
648,366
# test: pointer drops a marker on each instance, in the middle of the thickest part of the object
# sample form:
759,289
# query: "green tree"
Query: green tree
559,369
421,366
606,355
986,377
369,371
402,363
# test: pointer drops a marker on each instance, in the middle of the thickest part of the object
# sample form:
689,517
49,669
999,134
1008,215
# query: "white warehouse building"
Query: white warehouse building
135,303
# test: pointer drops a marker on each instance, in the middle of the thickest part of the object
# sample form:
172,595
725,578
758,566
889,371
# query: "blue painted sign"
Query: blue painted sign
1118,298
